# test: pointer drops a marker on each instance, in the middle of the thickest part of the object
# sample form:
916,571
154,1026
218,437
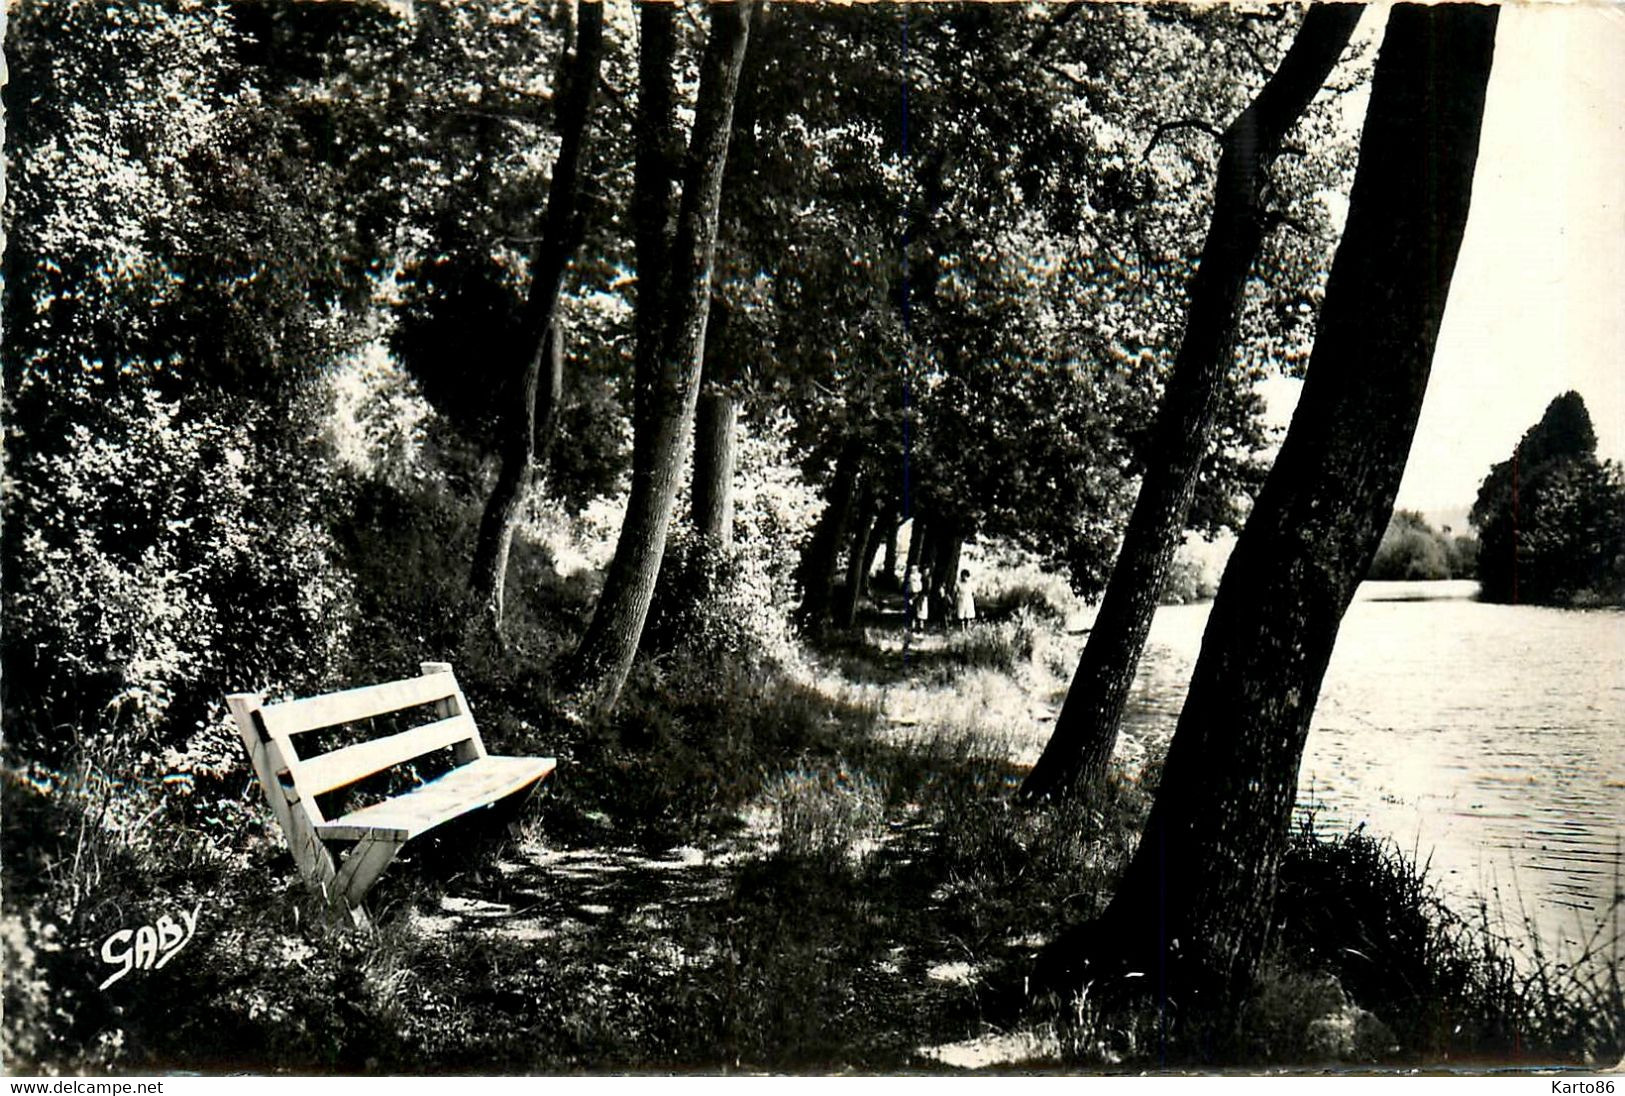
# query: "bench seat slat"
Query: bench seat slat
316,712
350,763
477,784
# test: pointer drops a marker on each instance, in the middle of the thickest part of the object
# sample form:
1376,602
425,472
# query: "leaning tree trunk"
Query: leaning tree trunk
717,419
885,523
537,384
858,555
533,421
1194,907
671,317
822,553
1080,747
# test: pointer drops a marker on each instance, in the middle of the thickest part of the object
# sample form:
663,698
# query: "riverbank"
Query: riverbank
812,867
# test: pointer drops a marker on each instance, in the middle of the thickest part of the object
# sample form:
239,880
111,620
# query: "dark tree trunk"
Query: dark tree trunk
945,571
889,564
1080,747
536,384
716,428
885,520
715,432
671,316
822,553
534,410
917,536
846,612
930,541
655,166
1194,907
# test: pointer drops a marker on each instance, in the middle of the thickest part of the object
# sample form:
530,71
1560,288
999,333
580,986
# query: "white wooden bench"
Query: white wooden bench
375,833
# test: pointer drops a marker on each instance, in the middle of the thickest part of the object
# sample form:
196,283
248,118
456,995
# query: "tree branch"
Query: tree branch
1166,128
1055,70
538,116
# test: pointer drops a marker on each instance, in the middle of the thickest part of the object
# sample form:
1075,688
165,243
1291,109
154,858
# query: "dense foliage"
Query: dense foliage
1004,310
1551,517
173,282
1411,549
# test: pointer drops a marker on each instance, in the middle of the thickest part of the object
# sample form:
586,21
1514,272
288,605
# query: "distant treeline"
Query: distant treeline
1412,550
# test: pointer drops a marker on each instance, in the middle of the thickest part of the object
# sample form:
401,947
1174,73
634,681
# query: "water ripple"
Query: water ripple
1489,736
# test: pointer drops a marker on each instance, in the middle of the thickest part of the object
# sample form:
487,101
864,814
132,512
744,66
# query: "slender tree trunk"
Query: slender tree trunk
945,569
889,564
717,419
916,543
540,376
930,545
884,520
671,317
846,612
822,553
715,433
1080,747
1193,910
528,438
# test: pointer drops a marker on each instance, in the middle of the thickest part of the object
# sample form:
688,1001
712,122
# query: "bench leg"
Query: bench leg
310,855
361,870
514,808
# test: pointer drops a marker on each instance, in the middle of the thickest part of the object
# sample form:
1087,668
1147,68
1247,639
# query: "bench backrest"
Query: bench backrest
292,783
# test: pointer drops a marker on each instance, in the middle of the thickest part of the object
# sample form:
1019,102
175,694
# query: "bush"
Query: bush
693,740
1187,582
824,811
1412,551
1046,601
711,602
407,552
1004,647
1308,1019
166,560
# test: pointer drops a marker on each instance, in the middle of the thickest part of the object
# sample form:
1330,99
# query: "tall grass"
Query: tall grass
1369,966
1005,647
1452,987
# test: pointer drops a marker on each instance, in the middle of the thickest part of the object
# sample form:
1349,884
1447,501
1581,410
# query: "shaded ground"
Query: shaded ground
875,899
735,957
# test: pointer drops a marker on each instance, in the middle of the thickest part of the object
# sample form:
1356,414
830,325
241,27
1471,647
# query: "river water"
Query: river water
1488,739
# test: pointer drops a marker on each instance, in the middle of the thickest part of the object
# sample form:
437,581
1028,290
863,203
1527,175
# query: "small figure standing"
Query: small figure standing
919,606
965,600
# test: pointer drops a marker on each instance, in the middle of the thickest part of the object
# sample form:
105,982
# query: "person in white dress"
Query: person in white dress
919,604
964,601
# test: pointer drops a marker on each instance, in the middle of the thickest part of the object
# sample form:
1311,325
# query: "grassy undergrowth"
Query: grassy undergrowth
739,870
1458,986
